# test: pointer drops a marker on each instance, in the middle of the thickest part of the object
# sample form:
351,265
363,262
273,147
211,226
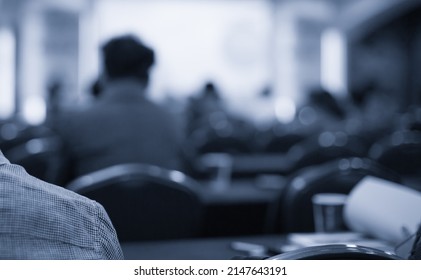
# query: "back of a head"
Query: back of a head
210,91
127,57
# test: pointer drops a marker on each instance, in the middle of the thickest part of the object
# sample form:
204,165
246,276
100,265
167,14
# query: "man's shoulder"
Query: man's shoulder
44,221
36,209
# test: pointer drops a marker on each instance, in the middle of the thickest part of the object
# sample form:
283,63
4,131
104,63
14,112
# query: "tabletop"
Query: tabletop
222,248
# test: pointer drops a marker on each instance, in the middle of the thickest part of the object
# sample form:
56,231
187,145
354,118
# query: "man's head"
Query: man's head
127,57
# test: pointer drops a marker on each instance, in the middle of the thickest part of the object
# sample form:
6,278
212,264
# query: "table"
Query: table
197,249
240,209
240,247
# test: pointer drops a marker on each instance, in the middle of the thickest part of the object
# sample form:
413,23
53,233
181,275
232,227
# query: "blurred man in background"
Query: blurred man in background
122,126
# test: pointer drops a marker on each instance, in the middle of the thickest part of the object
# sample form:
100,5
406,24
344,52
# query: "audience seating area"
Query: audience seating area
150,203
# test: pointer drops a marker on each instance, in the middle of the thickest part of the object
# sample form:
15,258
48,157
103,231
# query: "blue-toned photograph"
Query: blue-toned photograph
210,130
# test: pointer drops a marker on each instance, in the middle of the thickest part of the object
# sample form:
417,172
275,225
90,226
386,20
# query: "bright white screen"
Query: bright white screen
195,41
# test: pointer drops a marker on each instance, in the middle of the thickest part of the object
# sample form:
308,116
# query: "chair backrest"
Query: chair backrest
336,252
145,202
400,151
282,143
325,147
224,144
41,158
294,212
15,134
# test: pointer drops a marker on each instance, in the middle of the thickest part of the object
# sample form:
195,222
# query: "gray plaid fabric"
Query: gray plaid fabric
42,221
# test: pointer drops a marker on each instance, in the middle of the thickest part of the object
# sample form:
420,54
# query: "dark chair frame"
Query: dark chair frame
145,202
313,151
293,210
400,151
41,157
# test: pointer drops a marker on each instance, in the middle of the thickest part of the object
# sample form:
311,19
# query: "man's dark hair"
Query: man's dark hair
126,56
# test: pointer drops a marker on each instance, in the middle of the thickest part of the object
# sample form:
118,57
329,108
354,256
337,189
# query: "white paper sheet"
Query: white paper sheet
383,209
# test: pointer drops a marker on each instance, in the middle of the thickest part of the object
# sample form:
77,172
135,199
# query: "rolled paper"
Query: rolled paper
384,210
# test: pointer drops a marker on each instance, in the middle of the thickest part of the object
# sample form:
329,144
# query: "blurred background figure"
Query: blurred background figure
263,114
95,88
373,112
122,125
321,112
204,107
54,90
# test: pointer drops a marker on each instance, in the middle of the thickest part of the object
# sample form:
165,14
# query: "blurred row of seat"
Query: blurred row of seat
148,202
37,148
400,151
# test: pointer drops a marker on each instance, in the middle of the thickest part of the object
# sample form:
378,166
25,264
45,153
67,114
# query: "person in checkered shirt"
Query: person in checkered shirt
43,221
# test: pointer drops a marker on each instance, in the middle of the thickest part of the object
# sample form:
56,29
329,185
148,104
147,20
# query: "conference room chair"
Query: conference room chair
14,134
9,129
41,158
324,147
145,202
400,151
293,211
282,143
336,252
411,119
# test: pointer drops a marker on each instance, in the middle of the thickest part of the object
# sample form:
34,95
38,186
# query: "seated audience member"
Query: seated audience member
122,125
201,107
322,112
43,221
373,111
95,89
